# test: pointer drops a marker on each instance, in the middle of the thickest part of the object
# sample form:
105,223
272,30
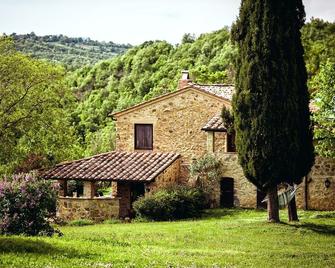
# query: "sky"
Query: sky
130,21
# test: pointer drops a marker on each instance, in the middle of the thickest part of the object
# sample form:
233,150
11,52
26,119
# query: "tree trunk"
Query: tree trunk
273,207
292,210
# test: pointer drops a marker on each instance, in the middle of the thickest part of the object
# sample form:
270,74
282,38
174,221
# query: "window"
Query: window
143,136
231,142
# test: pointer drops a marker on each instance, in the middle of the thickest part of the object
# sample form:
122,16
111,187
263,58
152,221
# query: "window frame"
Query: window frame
135,136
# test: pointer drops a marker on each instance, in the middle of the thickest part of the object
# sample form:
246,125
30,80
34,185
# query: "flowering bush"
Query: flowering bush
26,203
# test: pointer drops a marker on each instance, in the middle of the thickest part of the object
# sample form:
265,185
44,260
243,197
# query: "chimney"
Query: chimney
185,79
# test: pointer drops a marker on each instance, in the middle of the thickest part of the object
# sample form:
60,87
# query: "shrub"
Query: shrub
172,203
26,203
206,172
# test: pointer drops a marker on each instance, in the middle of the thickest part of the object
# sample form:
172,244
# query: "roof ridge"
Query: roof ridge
110,152
81,159
218,84
166,95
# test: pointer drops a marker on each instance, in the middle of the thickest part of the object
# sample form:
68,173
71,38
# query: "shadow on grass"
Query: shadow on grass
26,245
318,228
329,215
222,212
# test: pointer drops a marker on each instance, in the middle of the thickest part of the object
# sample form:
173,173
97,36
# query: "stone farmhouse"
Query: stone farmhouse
157,141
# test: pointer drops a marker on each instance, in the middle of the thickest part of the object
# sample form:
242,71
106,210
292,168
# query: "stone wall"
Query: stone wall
313,189
177,121
220,140
244,191
96,209
318,196
169,176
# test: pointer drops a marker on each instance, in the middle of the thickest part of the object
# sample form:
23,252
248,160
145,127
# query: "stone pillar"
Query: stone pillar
210,141
63,187
114,188
89,189
124,193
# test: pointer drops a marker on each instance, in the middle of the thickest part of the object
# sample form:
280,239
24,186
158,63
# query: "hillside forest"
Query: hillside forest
70,52
57,93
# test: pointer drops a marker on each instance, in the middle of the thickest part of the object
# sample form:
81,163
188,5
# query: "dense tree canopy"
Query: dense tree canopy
271,113
318,37
71,52
324,116
33,116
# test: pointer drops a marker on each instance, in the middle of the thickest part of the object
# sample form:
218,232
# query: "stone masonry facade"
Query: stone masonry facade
168,177
95,209
244,191
177,121
317,191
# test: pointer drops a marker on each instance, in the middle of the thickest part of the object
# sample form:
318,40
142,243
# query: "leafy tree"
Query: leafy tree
227,119
188,38
33,104
271,113
324,116
206,172
318,37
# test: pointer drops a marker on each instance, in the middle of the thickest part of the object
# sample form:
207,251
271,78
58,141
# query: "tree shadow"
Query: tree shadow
221,212
318,228
26,245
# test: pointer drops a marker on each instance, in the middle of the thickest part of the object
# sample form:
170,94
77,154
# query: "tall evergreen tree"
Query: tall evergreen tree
273,134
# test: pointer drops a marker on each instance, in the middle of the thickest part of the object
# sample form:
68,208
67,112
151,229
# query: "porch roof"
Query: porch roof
114,166
214,124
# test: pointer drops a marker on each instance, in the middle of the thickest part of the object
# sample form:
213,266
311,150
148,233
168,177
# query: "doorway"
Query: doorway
136,191
227,192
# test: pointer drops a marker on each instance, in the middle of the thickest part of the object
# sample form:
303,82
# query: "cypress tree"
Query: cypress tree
273,134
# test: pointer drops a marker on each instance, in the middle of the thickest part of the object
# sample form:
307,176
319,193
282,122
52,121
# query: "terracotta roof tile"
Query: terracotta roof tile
221,90
115,166
214,124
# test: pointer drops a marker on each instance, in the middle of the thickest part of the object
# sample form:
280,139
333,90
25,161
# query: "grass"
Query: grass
222,238
80,222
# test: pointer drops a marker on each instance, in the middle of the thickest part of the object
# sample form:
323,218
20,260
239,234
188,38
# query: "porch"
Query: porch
131,175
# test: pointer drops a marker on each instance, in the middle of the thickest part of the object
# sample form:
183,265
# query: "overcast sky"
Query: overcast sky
130,21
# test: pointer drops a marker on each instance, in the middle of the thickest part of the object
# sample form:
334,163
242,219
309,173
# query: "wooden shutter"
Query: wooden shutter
143,136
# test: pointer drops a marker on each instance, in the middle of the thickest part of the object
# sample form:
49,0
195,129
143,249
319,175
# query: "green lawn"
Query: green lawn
223,238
